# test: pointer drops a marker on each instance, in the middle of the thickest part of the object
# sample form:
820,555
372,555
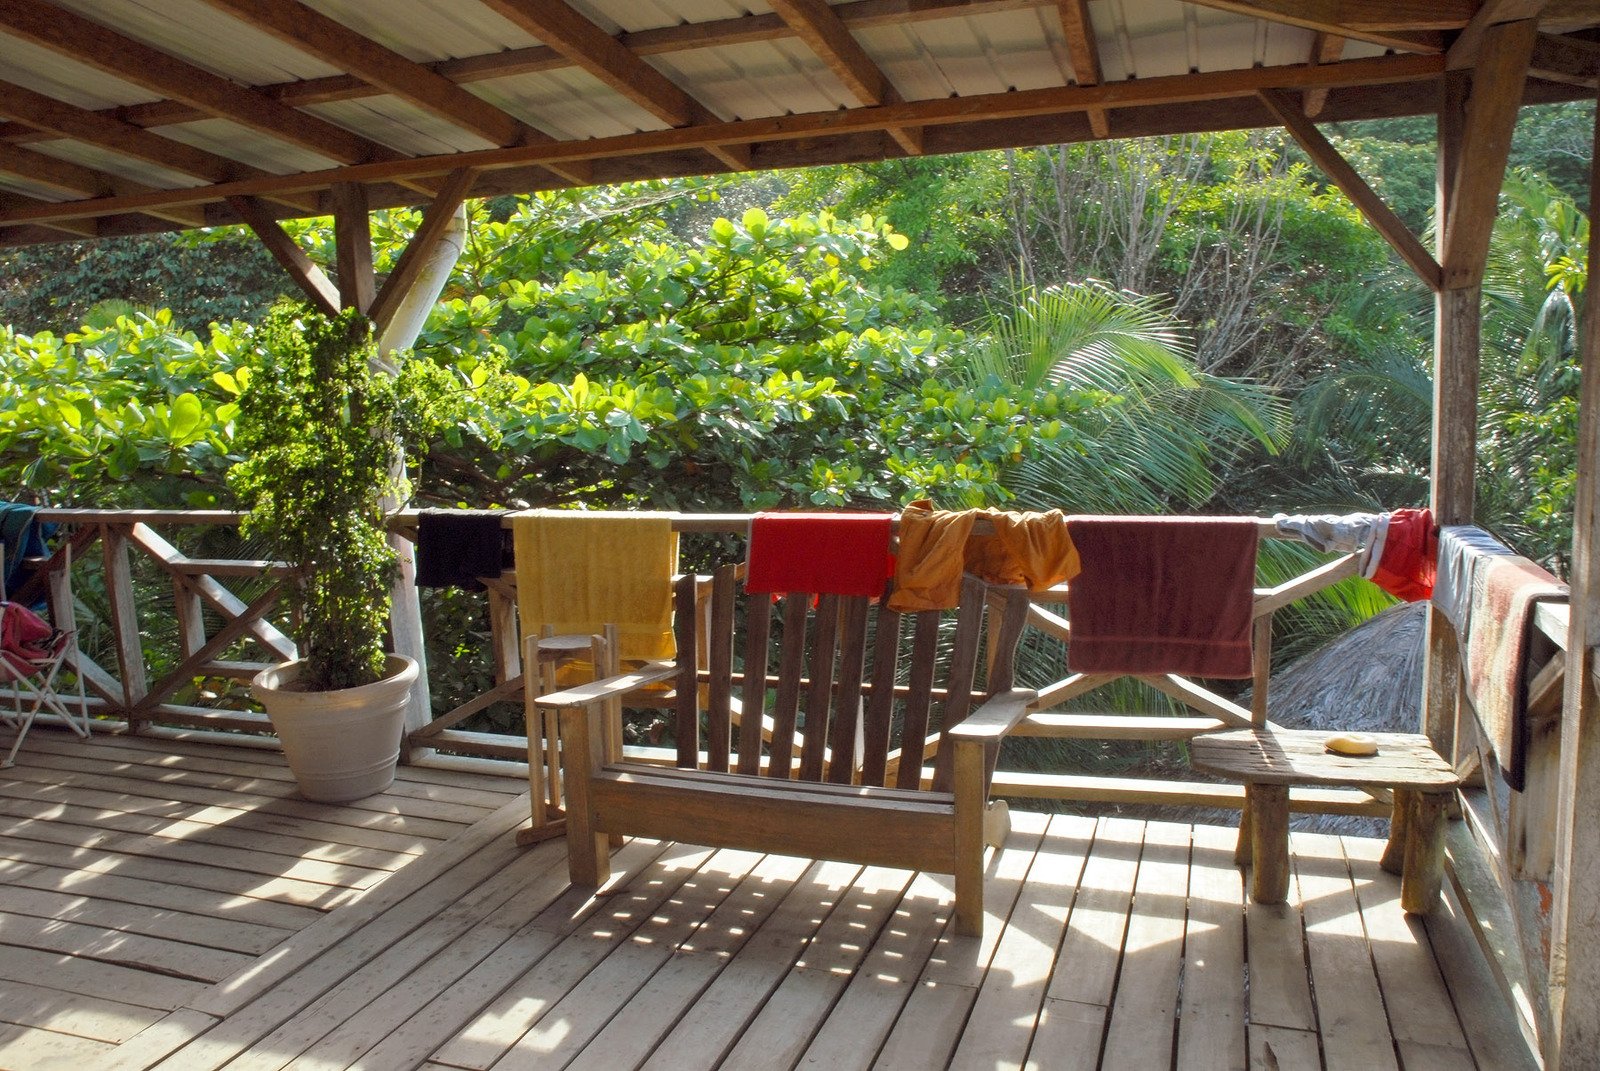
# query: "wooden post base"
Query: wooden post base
1269,843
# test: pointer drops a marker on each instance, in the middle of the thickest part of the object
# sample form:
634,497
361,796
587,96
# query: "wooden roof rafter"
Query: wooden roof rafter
79,181
590,47
1404,25
815,23
1085,55
87,42
333,42
1152,93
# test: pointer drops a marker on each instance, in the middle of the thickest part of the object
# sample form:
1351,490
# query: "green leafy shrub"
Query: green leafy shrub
317,429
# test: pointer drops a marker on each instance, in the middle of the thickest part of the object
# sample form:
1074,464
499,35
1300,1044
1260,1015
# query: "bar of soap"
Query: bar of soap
1352,744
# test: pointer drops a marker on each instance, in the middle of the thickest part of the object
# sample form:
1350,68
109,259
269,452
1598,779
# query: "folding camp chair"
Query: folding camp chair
28,670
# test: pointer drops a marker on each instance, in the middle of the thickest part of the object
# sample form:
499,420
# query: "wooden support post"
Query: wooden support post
124,619
968,785
1575,938
1269,843
307,276
1260,668
588,853
1243,850
1455,418
352,239
1394,852
1424,863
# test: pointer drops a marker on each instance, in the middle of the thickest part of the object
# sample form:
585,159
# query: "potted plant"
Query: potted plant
318,427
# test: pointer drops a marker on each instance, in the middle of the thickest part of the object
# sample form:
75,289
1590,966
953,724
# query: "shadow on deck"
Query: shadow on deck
174,904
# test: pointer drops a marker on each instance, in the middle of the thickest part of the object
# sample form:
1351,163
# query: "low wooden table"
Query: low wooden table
1268,761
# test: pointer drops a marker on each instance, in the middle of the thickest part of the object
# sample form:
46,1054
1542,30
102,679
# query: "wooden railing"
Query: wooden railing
221,627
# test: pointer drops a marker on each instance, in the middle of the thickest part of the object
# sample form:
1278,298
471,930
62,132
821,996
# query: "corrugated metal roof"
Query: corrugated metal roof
455,83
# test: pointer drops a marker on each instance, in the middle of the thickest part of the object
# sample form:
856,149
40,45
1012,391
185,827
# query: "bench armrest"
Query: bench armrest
584,694
995,718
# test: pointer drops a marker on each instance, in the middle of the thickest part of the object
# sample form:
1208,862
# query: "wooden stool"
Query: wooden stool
542,657
1268,761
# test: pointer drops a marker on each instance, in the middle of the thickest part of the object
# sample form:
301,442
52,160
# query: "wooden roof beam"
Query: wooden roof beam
83,41
1213,89
334,42
1568,60
1291,113
1407,25
590,47
815,23
79,124
287,252
80,181
406,270
1325,48
1497,84
75,228
1463,52
1084,52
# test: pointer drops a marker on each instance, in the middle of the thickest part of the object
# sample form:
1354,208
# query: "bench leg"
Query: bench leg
1241,850
969,829
1394,852
1424,865
1269,840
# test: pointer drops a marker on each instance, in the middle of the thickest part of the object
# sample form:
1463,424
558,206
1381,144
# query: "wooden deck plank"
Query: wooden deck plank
636,1028
929,1028
177,959
330,834
251,786
1278,1048
105,981
377,1012
13,811
1350,1010
1092,948
471,953
584,1012
277,1014
589,931
1003,1019
793,1012
160,895
46,1050
867,1011
1280,987
1490,1024
188,926
712,1025
387,818
1412,987
171,850
1143,1014
95,1018
1211,1018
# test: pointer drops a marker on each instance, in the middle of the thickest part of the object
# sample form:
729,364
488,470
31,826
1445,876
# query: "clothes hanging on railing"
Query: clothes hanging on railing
1163,595
579,571
458,548
1396,551
21,538
1330,533
820,553
937,546
1505,591
1463,548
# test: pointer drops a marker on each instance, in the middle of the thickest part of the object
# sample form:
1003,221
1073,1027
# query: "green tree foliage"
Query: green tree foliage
201,277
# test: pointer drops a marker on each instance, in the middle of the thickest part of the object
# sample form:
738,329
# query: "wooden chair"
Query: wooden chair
823,755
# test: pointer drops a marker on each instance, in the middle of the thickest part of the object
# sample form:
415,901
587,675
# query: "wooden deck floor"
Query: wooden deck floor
175,905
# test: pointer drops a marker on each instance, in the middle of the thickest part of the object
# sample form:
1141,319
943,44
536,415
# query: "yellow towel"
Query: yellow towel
580,571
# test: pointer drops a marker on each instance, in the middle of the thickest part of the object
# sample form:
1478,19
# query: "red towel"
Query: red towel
820,553
1505,590
1162,595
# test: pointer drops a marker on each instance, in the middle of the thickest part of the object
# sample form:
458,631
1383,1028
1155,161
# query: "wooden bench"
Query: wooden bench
874,741
1268,761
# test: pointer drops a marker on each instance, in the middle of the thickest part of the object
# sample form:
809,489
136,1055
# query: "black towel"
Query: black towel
456,547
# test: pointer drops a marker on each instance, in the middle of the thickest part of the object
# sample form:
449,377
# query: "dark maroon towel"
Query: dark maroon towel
1162,595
